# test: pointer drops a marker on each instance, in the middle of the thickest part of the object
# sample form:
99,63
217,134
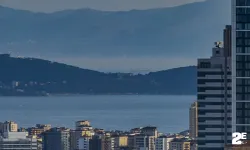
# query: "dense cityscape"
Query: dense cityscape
86,137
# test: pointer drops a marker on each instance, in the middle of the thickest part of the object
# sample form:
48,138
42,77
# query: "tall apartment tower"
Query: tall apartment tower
56,139
193,121
214,97
241,66
144,142
95,143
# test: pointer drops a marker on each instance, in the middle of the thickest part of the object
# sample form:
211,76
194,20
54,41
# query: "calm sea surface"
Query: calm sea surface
168,113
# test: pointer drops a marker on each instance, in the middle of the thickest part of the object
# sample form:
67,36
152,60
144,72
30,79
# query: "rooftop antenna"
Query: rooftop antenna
218,44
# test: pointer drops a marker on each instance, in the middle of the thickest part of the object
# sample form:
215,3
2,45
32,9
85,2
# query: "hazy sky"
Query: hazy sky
108,64
128,64
55,5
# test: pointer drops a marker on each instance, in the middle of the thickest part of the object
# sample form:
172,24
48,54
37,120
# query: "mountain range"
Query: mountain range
37,77
188,30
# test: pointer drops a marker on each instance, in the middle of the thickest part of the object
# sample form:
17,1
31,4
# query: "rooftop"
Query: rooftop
82,121
14,135
58,129
149,128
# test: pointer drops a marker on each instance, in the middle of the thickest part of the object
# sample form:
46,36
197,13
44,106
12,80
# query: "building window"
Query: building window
239,73
239,26
239,42
205,65
243,3
239,65
239,50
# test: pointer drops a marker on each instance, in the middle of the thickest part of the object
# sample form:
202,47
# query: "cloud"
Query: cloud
127,64
113,5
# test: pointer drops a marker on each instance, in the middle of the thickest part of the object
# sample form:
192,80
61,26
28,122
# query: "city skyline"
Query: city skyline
86,137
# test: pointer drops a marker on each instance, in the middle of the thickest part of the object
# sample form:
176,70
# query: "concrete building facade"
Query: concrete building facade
119,141
144,142
162,143
8,126
241,66
56,139
17,141
150,131
75,135
83,143
193,121
180,144
95,143
214,99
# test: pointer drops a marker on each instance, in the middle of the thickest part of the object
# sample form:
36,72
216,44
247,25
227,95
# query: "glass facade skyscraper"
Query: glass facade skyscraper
241,66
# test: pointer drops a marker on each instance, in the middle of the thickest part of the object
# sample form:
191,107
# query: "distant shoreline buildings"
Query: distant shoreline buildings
86,137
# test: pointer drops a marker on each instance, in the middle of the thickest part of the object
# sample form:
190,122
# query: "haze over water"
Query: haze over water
168,113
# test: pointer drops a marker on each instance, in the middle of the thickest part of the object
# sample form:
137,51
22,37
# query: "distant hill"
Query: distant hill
186,30
30,76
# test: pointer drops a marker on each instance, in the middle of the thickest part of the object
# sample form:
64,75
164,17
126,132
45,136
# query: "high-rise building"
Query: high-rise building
241,66
83,143
193,145
144,142
131,141
75,135
162,143
150,131
180,144
8,126
17,141
1,128
193,121
38,130
82,123
56,139
13,127
83,131
227,40
107,142
95,143
119,141
214,98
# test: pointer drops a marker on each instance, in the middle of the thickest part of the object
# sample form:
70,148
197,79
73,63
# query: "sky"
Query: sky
110,5
142,64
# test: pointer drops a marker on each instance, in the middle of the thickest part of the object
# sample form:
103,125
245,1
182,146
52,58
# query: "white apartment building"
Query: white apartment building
162,143
17,141
83,143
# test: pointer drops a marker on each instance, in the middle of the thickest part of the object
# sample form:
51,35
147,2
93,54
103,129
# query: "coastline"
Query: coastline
120,94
